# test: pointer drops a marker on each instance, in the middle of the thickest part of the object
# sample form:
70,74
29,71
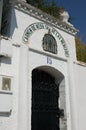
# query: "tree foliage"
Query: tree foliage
80,49
47,6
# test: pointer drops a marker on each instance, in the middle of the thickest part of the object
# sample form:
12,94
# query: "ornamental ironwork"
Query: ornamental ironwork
49,43
45,103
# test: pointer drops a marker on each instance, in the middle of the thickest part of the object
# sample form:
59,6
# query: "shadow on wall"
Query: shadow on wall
13,23
9,22
6,60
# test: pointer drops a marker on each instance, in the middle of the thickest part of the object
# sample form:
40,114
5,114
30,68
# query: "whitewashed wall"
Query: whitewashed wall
9,67
80,90
20,21
27,57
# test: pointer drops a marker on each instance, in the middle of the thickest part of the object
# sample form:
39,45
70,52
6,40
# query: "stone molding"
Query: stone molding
37,13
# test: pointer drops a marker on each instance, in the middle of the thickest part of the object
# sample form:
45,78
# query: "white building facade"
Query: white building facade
42,85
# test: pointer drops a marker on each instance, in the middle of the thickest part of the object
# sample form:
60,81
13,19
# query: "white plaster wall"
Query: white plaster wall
35,41
70,42
20,21
11,69
80,90
24,91
37,59
22,64
40,59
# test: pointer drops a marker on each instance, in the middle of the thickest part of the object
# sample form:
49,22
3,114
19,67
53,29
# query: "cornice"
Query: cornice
26,8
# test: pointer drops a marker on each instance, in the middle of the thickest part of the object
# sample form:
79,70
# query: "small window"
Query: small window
6,84
49,43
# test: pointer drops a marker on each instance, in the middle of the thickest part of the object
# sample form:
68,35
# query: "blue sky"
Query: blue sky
77,9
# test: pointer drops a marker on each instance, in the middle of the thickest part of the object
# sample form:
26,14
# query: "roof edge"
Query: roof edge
39,14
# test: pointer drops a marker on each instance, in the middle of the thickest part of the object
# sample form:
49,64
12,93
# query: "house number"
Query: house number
49,60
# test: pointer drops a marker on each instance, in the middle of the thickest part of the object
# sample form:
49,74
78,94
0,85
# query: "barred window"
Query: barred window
49,43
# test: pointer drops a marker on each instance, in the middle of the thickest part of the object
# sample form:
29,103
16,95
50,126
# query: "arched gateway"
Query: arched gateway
46,99
42,85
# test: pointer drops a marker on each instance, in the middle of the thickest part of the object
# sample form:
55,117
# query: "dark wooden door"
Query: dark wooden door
45,93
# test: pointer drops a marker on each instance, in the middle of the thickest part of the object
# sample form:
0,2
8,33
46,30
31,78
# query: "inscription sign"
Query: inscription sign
37,26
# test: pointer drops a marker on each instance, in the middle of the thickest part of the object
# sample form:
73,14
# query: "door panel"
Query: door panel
45,94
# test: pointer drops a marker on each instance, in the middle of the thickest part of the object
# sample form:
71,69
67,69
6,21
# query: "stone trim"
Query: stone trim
80,63
5,114
6,92
48,54
26,8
